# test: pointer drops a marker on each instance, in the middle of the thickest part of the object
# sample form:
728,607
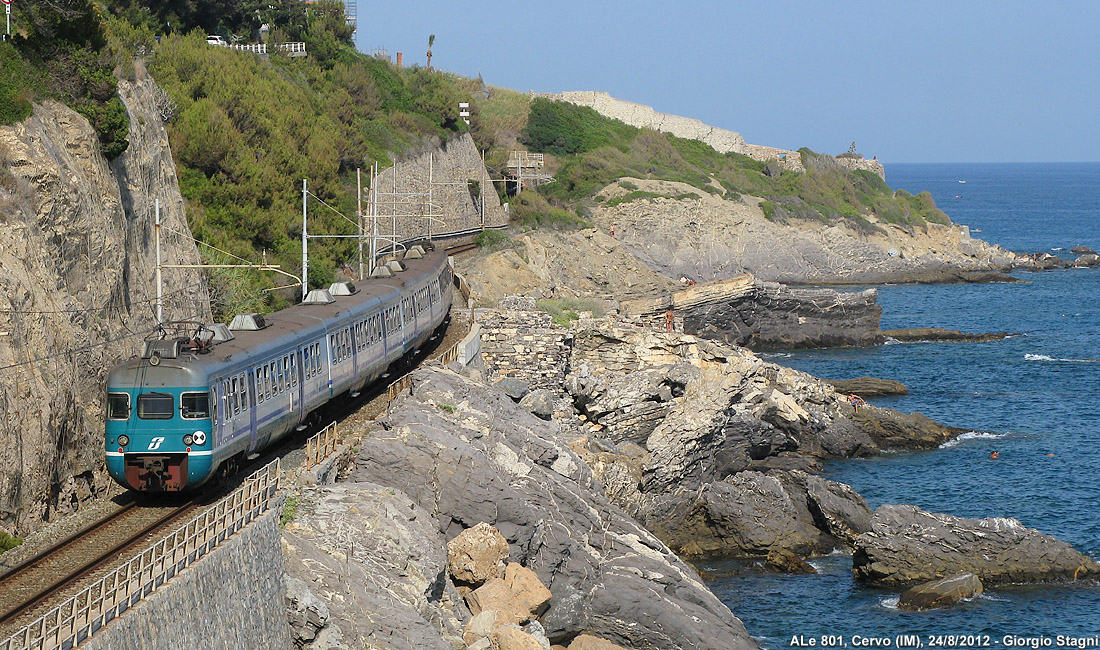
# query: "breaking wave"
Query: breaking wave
972,435
1043,357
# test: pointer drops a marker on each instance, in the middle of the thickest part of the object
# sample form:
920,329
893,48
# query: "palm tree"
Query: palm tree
431,40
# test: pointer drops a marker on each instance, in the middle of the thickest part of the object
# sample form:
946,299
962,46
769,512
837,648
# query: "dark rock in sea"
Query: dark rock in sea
1082,250
868,386
1040,262
514,388
940,593
1088,259
894,430
837,508
914,334
907,545
785,561
491,460
747,514
756,314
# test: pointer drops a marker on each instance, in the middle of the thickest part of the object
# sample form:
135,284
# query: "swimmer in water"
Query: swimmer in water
995,455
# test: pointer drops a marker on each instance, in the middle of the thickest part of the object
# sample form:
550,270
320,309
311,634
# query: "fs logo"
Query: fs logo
155,443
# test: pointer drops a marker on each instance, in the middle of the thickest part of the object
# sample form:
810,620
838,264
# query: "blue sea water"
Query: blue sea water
1031,397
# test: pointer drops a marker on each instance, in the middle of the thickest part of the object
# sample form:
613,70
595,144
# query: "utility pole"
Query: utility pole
305,245
160,288
359,216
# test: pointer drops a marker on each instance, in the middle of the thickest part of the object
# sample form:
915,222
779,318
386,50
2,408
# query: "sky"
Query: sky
908,81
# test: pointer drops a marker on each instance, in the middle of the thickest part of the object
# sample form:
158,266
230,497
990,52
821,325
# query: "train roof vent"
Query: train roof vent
216,333
162,349
414,253
247,323
381,272
318,297
343,289
396,266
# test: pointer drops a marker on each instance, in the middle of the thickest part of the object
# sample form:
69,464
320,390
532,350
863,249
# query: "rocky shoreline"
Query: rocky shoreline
600,456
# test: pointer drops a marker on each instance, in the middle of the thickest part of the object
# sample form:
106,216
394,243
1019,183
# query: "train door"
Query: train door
250,388
218,407
300,390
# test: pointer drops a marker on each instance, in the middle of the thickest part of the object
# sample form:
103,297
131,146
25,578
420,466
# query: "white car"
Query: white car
214,39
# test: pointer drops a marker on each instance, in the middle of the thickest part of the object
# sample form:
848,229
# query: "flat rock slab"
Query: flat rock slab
910,335
907,545
869,386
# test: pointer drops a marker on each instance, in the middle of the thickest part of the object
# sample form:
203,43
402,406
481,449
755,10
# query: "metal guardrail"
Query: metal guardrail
74,620
292,49
320,445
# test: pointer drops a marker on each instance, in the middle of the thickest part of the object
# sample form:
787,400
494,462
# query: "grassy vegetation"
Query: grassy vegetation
639,194
606,150
565,310
8,542
290,510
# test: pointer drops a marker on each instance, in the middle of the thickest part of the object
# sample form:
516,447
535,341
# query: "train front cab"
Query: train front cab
159,440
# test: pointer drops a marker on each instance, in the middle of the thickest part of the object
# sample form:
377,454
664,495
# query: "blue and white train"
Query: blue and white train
192,408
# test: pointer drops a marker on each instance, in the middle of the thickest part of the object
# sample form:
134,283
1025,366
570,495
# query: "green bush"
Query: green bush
493,239
561,128
18,84
8,542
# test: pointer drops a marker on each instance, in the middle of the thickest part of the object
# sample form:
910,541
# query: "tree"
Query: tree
431,41
852,147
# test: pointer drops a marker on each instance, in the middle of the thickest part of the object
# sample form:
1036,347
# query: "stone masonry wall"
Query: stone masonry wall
232,598
723,140
524,344
453,163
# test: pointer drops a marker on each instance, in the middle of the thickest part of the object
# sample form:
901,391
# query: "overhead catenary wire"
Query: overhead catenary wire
84,348
92,309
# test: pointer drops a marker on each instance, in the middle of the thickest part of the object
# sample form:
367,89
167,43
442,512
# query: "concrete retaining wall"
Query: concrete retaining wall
231,599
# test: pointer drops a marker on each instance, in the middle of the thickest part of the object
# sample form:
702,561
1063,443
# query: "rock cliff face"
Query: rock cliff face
712,238
76,268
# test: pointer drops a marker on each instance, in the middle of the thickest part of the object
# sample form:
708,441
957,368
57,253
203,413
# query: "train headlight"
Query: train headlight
199,437
123,440
188,439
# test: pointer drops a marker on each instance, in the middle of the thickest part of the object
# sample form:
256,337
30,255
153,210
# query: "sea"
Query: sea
1032,397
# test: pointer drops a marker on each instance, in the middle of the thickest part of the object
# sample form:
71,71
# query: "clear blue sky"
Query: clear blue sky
922,81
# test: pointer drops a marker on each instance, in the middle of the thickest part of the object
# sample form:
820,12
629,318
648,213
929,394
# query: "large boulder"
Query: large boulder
477,554
940,593
907,545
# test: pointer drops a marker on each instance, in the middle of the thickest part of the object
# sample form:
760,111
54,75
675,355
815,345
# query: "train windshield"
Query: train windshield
155,406
195,406
118,406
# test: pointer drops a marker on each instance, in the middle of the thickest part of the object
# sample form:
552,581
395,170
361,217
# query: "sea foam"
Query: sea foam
1043,357
972,435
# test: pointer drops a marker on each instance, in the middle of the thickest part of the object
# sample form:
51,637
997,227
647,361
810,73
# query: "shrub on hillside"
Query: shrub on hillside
561,128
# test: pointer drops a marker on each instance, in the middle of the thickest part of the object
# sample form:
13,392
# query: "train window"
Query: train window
155,406
332,346
214,404
118,406
195,406
261,383
243,385
277,373
235,396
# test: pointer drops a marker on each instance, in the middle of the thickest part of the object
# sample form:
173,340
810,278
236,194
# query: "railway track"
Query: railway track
460,248
36,581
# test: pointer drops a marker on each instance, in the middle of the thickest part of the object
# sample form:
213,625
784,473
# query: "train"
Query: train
192,408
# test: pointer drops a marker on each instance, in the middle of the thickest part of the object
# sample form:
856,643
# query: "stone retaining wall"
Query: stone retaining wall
524,344
452,165
232,598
